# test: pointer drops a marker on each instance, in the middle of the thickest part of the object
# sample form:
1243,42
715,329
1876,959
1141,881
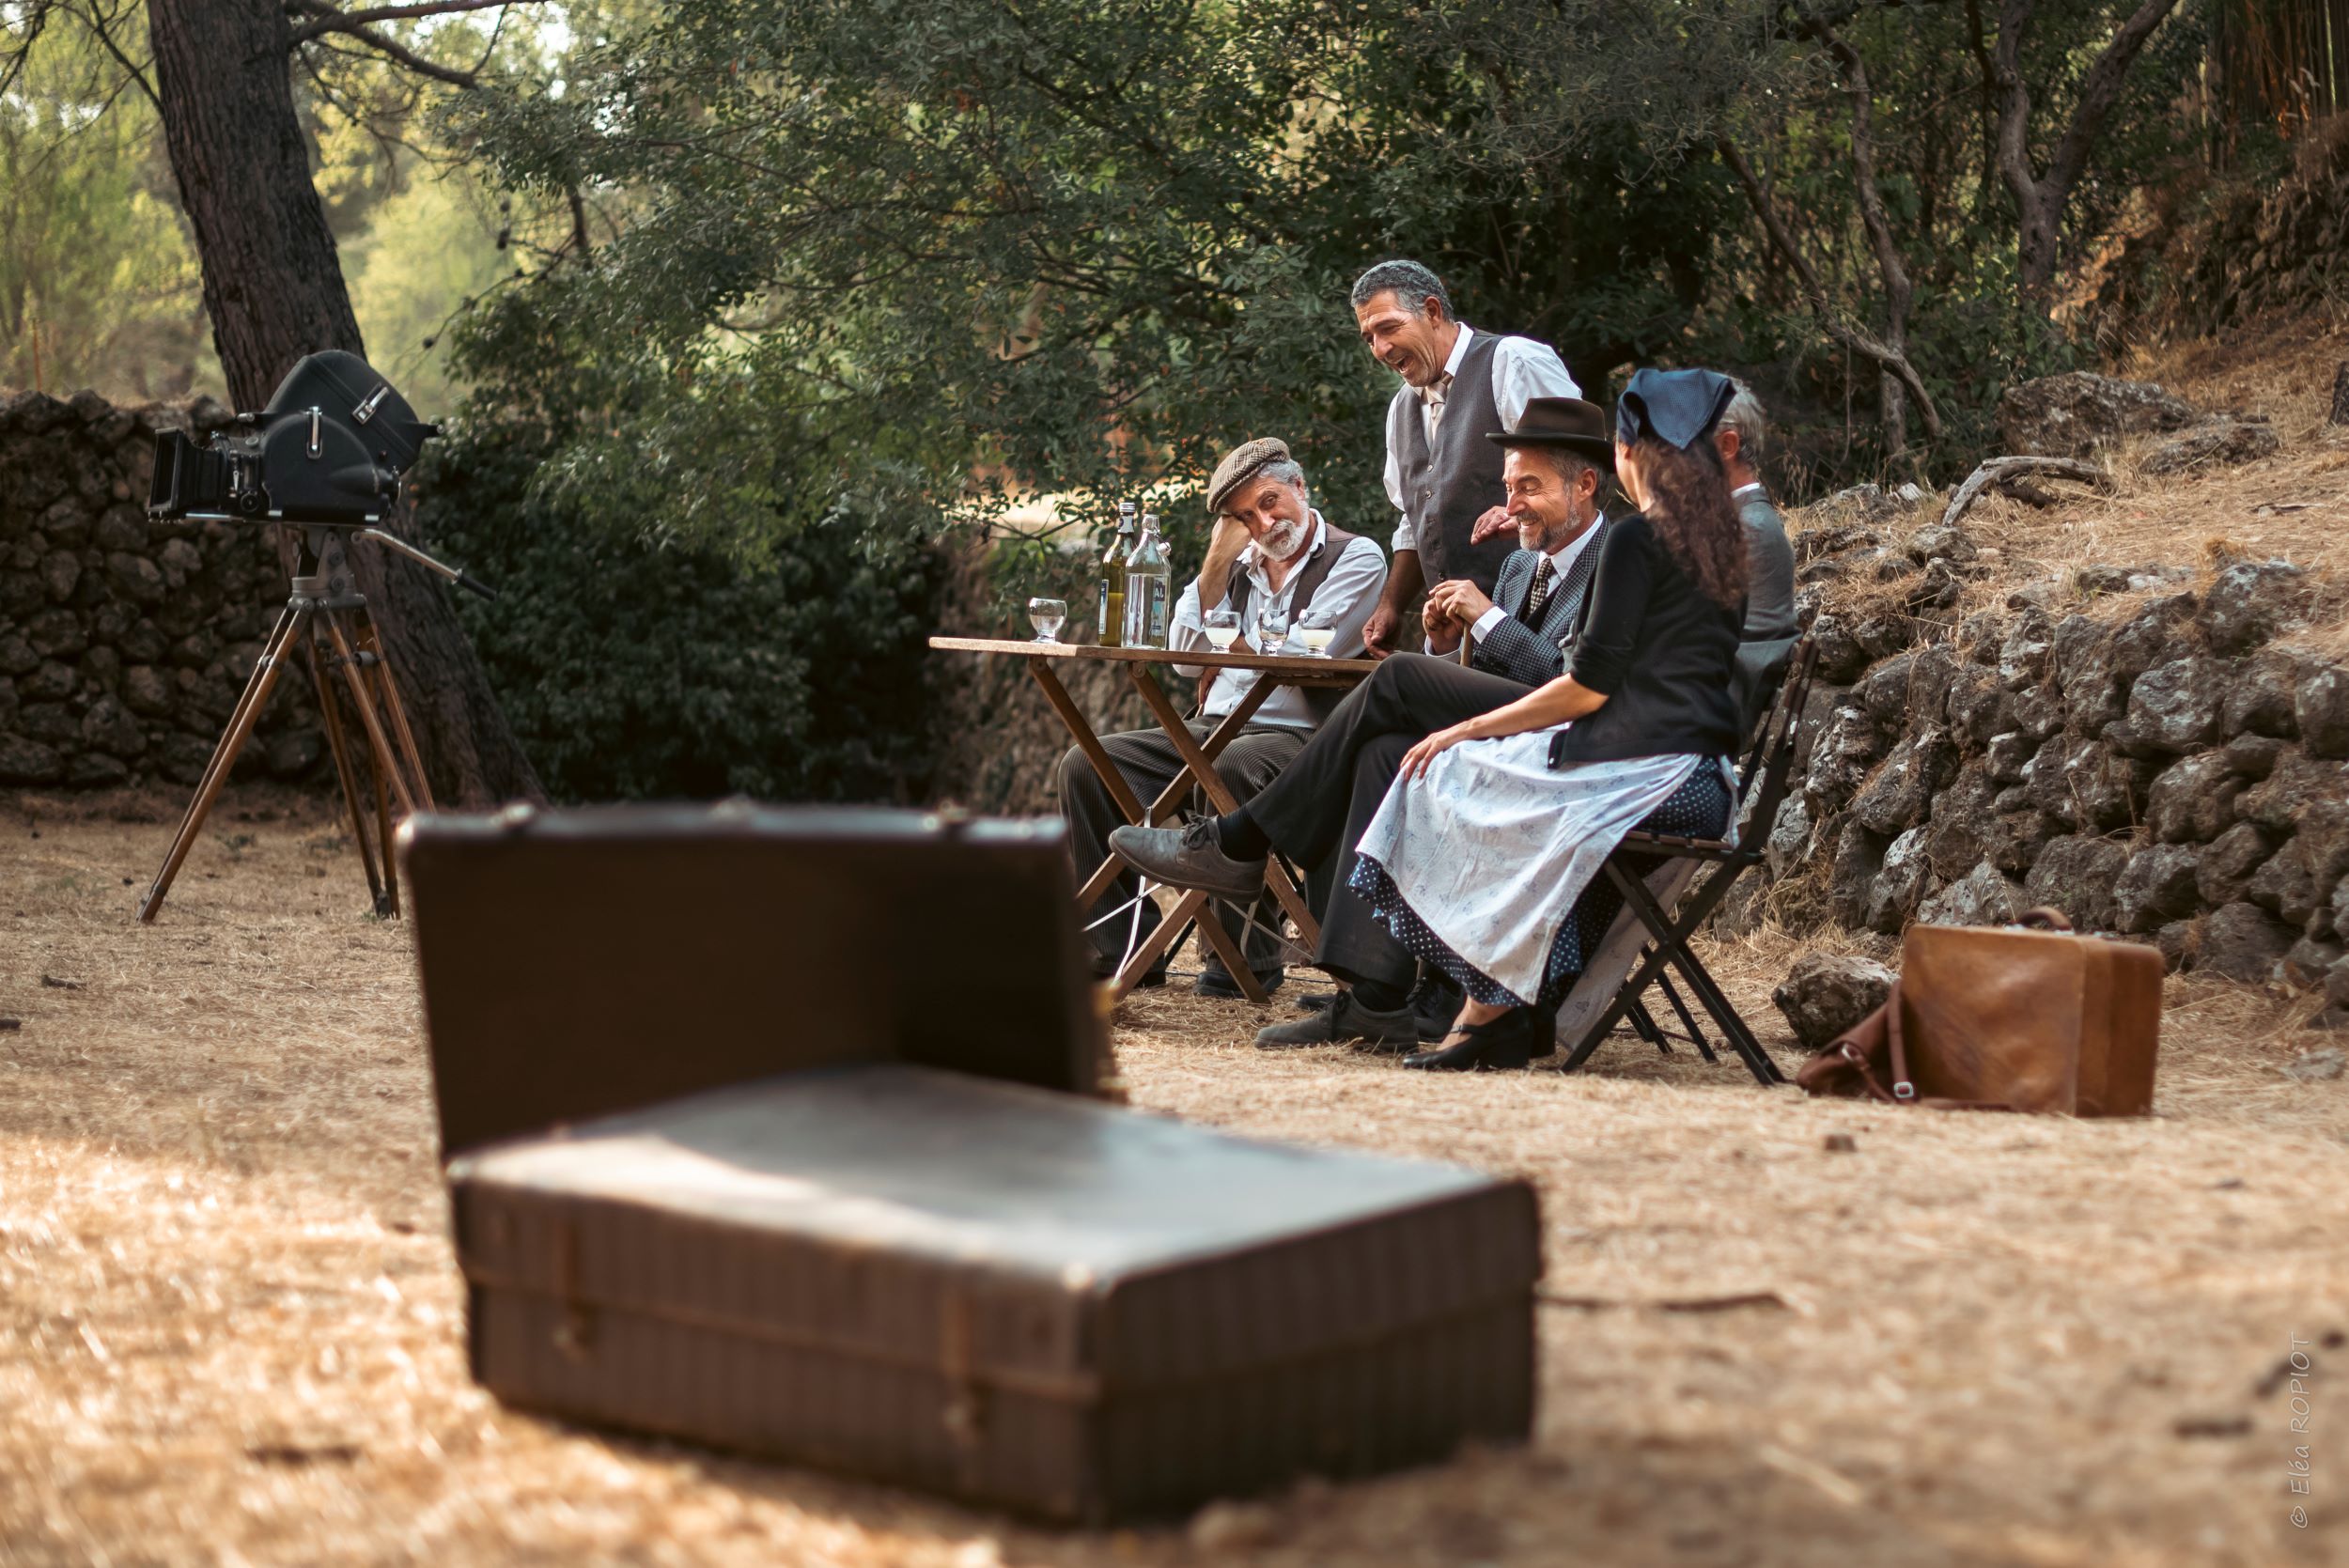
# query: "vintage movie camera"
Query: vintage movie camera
328,451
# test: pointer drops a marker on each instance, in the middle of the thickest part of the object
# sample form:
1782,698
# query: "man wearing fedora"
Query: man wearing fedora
1555,464
1272,548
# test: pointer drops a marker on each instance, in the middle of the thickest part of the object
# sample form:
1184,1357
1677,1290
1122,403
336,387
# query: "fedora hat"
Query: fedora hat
1579,427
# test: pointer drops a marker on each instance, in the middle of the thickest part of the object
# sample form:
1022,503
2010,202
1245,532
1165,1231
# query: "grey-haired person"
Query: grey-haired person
1272,548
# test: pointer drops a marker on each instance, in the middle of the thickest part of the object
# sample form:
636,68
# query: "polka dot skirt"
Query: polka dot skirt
1698,809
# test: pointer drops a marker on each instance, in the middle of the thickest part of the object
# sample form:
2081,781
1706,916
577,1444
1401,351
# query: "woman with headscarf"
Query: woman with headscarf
1484,859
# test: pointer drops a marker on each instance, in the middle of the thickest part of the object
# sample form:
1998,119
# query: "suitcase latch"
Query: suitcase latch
575,1331
965,1416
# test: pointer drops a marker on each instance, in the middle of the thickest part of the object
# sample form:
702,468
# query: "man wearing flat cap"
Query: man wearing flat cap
1555,463
1270,549
1441,475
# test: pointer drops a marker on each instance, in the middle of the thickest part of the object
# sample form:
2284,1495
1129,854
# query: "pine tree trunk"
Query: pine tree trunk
273,288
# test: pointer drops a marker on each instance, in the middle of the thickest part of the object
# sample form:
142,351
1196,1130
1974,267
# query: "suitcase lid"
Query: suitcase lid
580,963
861,1208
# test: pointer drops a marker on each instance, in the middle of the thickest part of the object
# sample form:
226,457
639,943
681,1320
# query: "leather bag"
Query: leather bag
2030,1017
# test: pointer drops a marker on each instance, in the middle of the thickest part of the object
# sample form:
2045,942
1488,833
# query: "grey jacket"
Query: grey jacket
1770,571
1537,654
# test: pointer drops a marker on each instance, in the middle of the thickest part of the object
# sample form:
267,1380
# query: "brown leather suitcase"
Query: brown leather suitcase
695,1195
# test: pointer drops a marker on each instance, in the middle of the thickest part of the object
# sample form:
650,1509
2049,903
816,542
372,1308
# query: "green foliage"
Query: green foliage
634,669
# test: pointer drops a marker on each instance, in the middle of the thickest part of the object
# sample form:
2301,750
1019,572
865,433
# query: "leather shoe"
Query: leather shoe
1214,982
1506,1042
1315,1001
1343,1022
1186,858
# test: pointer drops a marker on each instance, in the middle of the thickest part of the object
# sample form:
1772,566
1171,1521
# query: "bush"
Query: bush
635,668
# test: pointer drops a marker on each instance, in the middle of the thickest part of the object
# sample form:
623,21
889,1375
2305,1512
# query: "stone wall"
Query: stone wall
2143,755
124,642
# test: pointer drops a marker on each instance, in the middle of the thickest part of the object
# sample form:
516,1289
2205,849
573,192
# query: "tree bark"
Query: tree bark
273,288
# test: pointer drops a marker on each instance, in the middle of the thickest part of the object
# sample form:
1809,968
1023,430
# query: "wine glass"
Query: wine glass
1223,628
1272,627
1046,615
1316,629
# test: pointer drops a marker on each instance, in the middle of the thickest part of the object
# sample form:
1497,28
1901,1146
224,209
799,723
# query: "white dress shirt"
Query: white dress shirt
1740,492
1522,370
1350,593
1561,561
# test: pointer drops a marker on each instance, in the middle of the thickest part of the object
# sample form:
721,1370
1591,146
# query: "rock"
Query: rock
2193,801
1842,660
1851,876
1814,543
2023,834
2038,711
50,723
135,578
1824,996
2220,443
2175,707
2251,601
2224,868
1896,797
2077,873
107,728
144,690
1984,896
2298,782
2241,942
2009,756
2101,579
1939,542
1790,835
293,753
2320,710
122,528
60,574
1227,1527
2070,415
1900,882
2310,961
1963,824
56,633
1883,691
2315,1066
2178,942
2337,983
1977,705
96,771
1842,757
2048,776
2260,696
2024,653
17,656
2156,886
2092,694
2163,630
51,682
28,762
2252,756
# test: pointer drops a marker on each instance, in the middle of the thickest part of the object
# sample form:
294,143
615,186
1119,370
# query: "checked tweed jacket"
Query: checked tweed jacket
1539,654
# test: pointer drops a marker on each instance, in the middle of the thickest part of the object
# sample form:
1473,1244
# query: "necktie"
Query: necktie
1537,601
1431,397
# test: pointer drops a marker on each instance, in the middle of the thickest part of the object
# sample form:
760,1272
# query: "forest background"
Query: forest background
757,323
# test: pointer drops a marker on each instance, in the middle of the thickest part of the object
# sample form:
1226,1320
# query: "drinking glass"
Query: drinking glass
1272,627
1316,629
1046,615
1223,628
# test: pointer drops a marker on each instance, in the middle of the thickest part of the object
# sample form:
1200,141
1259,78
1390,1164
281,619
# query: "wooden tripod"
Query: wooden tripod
328,617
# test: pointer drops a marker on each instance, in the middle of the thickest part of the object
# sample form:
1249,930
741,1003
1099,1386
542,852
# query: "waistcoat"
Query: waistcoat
1239,590
1448,486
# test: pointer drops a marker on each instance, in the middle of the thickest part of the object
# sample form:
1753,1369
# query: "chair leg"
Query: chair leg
1672,945
1672,995
1643,1025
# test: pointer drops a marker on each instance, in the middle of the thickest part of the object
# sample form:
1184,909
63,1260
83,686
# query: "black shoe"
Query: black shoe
1214,980
1506,1042
1186,858
1435,1001
1315,1001
1343,1022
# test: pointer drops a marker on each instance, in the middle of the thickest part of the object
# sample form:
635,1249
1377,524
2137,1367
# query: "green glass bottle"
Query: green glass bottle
1112,631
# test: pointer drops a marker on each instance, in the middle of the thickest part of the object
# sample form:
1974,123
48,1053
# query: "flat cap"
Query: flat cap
1241,464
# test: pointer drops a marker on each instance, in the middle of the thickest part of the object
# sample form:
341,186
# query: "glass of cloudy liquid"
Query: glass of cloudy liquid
1046,615
1222,630
1314,629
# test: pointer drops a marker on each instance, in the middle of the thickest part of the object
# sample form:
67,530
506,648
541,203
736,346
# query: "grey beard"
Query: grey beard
1282,542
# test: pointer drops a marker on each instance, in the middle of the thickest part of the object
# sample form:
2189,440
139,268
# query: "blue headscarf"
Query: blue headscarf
1679,407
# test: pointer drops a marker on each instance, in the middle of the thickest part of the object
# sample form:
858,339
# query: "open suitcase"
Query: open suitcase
776,1130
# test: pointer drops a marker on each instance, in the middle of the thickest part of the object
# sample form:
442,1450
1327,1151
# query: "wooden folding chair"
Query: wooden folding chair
1761,787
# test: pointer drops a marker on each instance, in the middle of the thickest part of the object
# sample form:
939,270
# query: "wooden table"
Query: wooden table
1273,671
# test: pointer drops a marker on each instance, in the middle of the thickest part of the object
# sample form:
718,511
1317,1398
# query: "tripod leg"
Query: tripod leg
331,714
379,745
255,696
387,693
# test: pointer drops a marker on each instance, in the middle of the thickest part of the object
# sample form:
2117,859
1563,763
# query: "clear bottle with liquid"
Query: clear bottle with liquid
1148,596
1111,627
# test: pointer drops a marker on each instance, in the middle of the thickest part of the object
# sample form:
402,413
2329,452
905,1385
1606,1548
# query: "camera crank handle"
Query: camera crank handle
456,575
473,584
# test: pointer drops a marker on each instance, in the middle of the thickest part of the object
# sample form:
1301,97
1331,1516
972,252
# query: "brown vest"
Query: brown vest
1239,588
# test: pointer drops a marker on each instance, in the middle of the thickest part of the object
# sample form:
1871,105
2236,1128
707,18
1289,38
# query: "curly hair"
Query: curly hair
1691,512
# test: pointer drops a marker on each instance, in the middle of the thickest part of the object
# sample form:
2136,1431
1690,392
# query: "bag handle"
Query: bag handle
1904,1089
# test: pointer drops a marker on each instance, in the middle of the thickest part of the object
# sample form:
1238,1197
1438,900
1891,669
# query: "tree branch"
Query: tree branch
328,19
2100,90
401,55
96,21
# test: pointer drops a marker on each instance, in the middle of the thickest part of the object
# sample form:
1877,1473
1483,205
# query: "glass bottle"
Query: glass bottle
1148,583
1111,627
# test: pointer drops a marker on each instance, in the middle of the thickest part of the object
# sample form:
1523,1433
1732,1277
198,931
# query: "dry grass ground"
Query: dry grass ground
230,1327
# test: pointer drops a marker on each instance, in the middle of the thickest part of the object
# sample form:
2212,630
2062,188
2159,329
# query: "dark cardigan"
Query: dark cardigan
1660,651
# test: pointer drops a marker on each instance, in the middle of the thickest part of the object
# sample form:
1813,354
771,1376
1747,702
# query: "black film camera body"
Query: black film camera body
328,451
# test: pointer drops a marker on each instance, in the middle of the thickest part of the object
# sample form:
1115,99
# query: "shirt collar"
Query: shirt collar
1459,349
1739,493
1252,562
1561,560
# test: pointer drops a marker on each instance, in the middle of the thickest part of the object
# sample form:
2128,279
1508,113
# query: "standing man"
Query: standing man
1443,476
1769,554
1270,548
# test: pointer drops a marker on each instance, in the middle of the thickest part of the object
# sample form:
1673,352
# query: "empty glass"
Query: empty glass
1046,615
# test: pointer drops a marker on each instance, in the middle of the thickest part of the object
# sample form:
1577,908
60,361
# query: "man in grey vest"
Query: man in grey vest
1443,476
1770,625
1272,552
